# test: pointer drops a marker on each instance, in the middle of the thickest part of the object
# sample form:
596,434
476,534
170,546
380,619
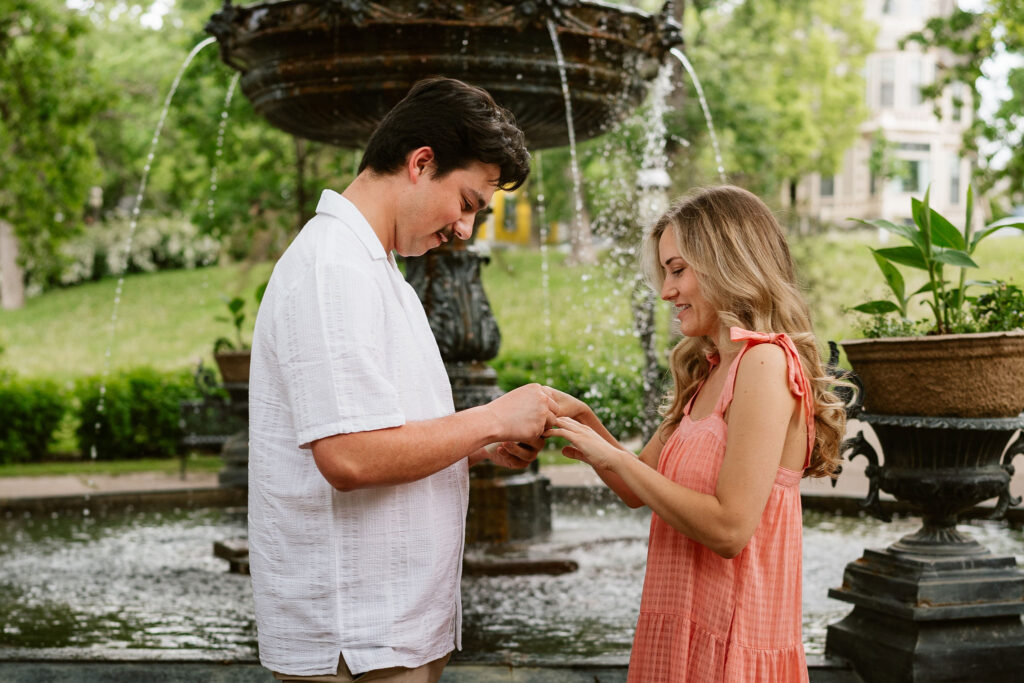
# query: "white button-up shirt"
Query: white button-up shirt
342,345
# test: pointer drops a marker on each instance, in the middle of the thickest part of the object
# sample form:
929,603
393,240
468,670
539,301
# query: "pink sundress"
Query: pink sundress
704,618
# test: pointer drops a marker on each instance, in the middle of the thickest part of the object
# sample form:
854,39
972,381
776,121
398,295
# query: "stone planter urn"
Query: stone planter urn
955,375
936,605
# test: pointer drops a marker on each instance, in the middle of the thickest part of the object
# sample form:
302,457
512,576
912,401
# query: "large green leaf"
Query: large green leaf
945,234
910,232
879,307
953,257
927,287
892,276
923,217
970,216
907,256
1011,222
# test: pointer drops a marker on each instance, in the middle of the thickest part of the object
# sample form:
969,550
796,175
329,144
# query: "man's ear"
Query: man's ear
419,163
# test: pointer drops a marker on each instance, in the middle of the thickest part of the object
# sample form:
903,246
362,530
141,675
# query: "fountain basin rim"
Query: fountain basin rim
600,4
330,71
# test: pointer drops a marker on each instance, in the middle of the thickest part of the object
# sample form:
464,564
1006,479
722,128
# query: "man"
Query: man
358,482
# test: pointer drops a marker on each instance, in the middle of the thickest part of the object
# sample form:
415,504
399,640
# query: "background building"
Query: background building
903,146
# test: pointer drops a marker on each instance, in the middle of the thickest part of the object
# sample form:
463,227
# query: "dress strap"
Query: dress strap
798,382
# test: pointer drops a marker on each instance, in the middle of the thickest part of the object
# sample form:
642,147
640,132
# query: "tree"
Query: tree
784,86
48,97
266,180
974,39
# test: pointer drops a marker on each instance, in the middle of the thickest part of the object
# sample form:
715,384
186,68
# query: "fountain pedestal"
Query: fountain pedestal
235,451
936,605
505,504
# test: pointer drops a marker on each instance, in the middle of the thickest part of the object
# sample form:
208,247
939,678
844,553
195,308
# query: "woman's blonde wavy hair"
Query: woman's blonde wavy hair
744,269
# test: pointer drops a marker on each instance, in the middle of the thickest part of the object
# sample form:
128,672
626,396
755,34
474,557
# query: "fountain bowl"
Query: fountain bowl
328,70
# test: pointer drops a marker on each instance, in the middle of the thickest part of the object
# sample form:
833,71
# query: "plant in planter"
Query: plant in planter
967,359
944,407
232,355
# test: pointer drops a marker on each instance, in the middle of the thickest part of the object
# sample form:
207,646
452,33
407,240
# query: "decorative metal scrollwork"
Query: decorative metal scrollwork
859,445
1006,499
850,389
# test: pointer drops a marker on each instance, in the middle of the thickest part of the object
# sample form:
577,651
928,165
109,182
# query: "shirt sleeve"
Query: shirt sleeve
332,354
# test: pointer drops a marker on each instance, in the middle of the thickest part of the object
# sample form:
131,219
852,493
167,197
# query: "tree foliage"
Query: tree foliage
48,98
784,84
255,189
974,38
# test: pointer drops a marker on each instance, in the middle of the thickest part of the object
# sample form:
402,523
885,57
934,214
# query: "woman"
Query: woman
750,414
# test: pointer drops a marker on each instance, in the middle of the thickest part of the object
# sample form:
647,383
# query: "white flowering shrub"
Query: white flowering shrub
111,247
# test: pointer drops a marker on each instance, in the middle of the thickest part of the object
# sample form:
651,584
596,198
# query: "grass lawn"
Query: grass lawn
167,320
76,466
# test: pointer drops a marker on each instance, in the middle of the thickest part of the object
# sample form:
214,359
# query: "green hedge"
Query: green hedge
30,412
615,394
140,416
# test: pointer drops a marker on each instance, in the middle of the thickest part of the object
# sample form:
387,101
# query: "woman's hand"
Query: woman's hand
586,444
568,405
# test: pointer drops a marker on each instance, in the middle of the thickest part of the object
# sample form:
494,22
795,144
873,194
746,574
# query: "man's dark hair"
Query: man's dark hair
461,123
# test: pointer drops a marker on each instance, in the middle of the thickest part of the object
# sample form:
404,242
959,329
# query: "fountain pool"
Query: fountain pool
134,585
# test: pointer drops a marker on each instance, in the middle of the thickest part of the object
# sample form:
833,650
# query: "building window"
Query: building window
888,6
916,81
828,186
913,168
887,83
954,179
957,101
914,147
913,177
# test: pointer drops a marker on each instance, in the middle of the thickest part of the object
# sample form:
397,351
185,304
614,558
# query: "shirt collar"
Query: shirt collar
333,204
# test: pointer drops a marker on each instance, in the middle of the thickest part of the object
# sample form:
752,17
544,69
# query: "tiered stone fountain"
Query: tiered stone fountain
328,70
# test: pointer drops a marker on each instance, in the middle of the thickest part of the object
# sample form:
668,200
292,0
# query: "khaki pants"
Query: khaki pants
428,673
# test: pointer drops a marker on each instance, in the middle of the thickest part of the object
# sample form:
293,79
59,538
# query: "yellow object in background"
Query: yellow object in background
511,220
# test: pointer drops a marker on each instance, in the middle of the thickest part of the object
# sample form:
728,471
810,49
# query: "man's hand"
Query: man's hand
515,455
523,414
